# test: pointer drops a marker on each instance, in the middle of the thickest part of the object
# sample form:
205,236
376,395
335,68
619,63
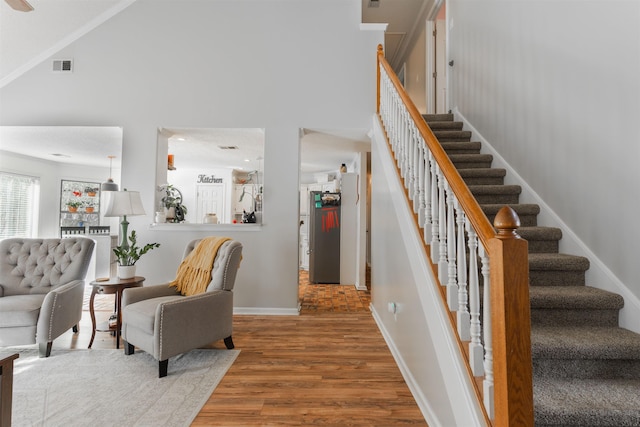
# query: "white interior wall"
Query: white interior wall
554,88
415,81
279,65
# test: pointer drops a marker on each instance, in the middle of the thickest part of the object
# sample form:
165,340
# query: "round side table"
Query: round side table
111,286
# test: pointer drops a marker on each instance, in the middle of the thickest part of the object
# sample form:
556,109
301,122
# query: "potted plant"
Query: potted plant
91,192
73,205
127,256
172,202
89,206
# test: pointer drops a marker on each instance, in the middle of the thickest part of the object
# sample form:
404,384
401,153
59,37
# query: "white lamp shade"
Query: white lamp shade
124,203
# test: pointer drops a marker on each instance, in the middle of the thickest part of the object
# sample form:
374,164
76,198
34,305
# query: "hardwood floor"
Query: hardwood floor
329,365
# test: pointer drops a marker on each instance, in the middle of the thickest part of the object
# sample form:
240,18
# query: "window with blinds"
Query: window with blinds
19,195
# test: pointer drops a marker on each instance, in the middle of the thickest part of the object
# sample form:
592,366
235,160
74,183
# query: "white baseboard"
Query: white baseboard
419,397
599,275
262,311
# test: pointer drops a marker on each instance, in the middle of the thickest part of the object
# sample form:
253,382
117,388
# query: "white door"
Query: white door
210,199
441,98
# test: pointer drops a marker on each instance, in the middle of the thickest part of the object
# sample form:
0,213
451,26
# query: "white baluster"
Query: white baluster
452,281
463,306
427,195
421,181
488,345
405,148
435,213
416,168
442,229
476,351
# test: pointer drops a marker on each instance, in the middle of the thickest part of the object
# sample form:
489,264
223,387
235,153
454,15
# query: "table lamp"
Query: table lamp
123,203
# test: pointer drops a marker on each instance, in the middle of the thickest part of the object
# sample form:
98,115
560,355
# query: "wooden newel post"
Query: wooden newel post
511,320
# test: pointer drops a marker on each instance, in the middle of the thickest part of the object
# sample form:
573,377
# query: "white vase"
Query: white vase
170,213
126,271
210,218
161,217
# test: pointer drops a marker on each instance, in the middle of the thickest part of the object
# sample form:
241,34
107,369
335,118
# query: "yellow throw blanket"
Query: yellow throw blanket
194,273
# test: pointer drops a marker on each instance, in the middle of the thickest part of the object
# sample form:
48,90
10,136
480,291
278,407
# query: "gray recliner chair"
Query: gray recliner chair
164,323
41,289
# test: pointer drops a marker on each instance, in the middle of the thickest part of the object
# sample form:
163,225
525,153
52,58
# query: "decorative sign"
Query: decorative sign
208,179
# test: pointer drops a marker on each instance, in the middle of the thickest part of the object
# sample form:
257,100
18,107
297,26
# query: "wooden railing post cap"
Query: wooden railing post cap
507,222
380,49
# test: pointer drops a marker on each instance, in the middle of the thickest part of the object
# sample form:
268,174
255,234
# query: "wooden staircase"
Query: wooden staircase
586,369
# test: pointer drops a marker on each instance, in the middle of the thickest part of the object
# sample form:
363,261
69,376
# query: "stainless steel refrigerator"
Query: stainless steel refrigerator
324,237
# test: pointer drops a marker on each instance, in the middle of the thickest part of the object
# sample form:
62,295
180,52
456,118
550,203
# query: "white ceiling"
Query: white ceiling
89,146
28,38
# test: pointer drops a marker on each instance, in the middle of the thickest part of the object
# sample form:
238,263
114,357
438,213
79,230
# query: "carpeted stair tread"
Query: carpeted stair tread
557,262
495,189
445,125
524,208
586,402
540,233
584,342
574,298
445,117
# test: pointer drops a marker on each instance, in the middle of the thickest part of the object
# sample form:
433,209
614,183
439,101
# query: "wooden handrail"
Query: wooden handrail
509,279
476,216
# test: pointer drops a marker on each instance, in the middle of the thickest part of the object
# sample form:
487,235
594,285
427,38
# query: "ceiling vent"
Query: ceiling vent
62,66
228,147
374,3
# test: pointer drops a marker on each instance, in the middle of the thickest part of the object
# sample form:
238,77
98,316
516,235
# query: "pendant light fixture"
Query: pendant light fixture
109,185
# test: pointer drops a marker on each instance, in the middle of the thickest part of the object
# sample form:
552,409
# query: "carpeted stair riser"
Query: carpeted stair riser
479,176
452,135
528,213
557,270
471,161
461,147
445,125
555,317
574,306
445,117
556,278
496,194
541,239
586,369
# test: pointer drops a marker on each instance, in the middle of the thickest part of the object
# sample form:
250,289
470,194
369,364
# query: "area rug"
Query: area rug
107,388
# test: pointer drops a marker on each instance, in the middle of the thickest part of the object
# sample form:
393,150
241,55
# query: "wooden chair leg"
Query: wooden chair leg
129,349
228,341
163,366
45,349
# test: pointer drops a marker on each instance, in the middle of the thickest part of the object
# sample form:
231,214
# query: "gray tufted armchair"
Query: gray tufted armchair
164,323
41,289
